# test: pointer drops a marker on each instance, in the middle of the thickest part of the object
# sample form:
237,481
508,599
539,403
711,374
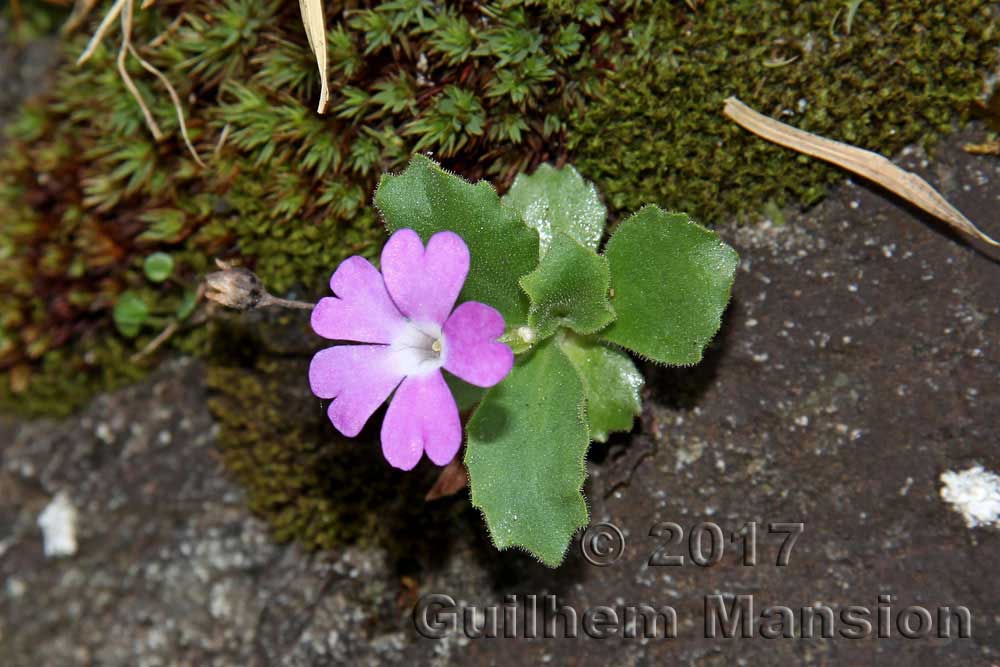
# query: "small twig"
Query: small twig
81,10
870,165
126,15
167,332
173,98
162,37
102,30
155,344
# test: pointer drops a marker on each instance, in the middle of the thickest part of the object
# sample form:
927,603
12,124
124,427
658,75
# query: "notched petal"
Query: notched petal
362,310
471,348
422,417
425,283
359,378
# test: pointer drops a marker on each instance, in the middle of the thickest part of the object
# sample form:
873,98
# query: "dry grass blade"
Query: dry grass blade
175,98
126,13
312,19
102,29
872,166
81,10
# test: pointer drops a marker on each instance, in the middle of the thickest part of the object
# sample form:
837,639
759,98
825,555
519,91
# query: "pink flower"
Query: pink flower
405,319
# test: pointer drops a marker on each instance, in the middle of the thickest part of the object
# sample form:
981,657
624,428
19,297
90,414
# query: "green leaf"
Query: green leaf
158,266
670,282
611,383
569,288
130,313
188,303
559,200
428,199
525,455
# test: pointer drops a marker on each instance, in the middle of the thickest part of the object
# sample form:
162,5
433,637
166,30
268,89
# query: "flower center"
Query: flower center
419,348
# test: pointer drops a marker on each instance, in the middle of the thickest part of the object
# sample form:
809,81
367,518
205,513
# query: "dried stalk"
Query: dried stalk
312,20
124,9
126,14
81,10
168,331
156,343
241,289
872,166
101,31
175,99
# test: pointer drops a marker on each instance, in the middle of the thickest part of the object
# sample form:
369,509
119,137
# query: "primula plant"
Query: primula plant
536,351
405,317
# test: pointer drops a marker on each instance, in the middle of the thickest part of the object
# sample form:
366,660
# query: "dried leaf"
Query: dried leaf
312,19
987,148
872,166
453,478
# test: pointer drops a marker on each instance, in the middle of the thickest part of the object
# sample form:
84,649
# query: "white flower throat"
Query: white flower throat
419,348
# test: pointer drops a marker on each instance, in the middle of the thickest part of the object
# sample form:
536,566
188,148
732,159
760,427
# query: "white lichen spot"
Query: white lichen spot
58,524
689,452
975,494
104,433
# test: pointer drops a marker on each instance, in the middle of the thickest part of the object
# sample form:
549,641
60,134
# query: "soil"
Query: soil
858,361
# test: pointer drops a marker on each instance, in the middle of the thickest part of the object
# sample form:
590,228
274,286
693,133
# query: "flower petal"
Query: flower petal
471,350
362,311
421,417
424,284
358,377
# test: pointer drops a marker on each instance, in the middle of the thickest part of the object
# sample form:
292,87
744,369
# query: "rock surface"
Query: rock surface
23,69
859,360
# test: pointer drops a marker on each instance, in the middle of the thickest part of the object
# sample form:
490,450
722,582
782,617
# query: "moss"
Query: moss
90,194
901,72
68,376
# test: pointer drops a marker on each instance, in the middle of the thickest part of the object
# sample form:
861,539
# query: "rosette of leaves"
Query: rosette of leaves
574,313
